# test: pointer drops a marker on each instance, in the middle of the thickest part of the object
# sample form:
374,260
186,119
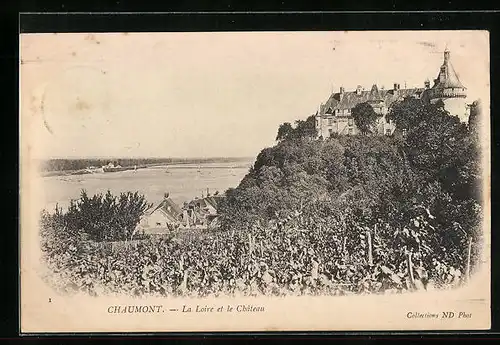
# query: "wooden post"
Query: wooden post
370,254
250,244
410,269
469,252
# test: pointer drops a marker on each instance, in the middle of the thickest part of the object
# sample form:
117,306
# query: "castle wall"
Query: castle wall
332,124
345,125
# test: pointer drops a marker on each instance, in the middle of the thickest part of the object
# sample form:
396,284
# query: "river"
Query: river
183,182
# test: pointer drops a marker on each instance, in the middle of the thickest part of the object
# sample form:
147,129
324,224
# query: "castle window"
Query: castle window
350,131
350,121
330,122
330,131
387,132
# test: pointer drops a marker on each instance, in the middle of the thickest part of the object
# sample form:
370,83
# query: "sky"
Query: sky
213,94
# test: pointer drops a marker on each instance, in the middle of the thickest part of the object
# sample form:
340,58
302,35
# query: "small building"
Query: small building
166,216
201,212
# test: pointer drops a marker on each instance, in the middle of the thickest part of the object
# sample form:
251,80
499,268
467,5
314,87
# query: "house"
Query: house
335,115
201,212
167,215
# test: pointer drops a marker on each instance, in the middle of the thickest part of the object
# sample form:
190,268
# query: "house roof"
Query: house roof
168,207
205,207
375,94
214,200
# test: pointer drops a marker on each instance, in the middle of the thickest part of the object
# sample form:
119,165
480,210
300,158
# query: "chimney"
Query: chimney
396,86
358,90
427,83
342,91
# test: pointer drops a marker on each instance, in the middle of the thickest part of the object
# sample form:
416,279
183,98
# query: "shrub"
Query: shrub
104,217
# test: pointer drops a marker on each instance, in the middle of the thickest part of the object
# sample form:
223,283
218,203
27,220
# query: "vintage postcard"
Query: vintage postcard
255,181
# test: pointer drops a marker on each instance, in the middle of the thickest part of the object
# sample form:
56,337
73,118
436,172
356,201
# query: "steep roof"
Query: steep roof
168,207
447,77
350,99
375,94
204,203
214,200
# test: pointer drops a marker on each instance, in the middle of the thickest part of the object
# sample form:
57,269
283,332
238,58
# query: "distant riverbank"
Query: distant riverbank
87,171
182,181
66,167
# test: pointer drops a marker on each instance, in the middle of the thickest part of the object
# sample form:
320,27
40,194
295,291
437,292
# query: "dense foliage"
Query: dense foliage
278,260
433,169
364,117
103,217
303,129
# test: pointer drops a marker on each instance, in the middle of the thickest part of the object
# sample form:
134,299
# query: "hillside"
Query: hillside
431,174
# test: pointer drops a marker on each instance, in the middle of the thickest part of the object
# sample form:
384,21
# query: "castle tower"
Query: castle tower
448,88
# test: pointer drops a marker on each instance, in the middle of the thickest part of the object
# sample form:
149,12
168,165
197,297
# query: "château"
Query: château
335,116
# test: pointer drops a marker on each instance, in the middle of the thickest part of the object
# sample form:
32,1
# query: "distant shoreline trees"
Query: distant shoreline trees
66,164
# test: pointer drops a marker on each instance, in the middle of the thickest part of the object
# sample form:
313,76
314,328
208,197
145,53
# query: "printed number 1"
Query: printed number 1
50,300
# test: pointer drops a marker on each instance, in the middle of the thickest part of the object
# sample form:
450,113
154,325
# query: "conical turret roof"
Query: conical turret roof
447,77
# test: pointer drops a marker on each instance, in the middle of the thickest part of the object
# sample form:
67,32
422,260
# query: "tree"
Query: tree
105,217
284,131
303,129
364,117
412,112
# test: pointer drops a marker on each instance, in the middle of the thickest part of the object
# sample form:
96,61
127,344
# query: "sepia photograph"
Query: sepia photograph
254,181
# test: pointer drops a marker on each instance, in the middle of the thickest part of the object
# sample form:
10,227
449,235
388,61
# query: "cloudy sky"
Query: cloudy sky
213,94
